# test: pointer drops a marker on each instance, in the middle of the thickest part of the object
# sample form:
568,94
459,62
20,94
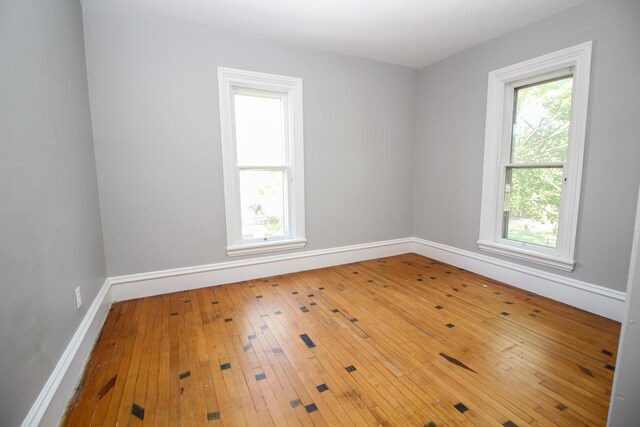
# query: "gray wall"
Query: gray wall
154,99
450,142
153,86
50,234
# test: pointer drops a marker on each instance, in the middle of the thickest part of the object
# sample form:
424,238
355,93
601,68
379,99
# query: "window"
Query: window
262,148
534,146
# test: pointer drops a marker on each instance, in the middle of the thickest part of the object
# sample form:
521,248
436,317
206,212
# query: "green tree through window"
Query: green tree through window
539,143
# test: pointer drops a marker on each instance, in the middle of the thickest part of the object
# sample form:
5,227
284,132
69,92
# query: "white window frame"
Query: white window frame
232,80
575,60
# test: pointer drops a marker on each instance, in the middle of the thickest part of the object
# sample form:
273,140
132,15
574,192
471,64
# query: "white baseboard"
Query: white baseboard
180,279
50,405
593,298
52,401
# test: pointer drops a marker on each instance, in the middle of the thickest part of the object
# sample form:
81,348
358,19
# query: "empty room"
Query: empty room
243,213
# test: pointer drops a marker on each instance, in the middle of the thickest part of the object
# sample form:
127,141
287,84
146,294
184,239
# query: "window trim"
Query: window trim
228,80
500,91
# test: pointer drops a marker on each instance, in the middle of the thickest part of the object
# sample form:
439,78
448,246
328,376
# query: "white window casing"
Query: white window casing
576,61
289,89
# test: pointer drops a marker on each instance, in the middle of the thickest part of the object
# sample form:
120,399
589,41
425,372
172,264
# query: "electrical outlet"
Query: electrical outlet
78,297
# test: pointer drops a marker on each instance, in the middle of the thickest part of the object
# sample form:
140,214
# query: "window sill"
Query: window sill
256,248
527,255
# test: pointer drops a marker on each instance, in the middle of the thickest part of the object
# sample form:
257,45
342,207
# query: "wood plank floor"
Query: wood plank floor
402,341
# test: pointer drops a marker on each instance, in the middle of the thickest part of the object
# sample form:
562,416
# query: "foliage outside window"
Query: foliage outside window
533,184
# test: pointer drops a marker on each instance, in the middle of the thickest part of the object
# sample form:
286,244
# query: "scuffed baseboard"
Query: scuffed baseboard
52,401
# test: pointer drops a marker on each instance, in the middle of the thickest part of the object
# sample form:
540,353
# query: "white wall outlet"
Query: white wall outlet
78,297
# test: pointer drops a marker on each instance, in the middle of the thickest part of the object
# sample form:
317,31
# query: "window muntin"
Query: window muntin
261,124
539,226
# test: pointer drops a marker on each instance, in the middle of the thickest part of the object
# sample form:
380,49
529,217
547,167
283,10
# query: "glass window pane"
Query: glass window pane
532,205
259,130
262,203
541,122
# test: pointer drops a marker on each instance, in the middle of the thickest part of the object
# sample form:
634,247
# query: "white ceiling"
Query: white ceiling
415,33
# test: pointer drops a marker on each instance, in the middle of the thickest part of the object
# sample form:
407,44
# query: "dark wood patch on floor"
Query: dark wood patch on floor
456,362
586,370
308,341
137,411
108,386
461,407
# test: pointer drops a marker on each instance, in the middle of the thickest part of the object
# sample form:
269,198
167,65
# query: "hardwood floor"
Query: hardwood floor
396,341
